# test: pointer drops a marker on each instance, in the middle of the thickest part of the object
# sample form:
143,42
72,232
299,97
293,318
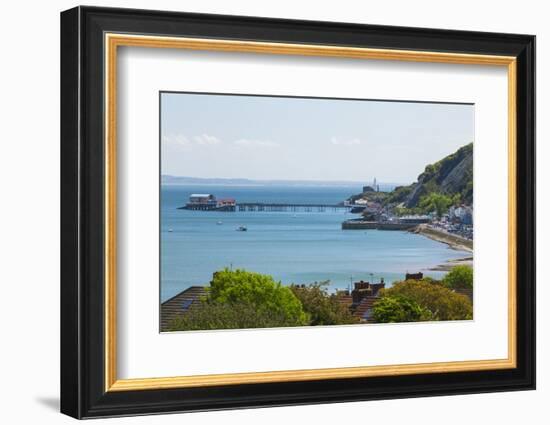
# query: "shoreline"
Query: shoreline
453,241
449,264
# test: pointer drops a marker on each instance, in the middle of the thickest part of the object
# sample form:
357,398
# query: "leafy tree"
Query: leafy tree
467,194
442,302
459,277
395,309
431,169
401,211
456,199
259,291
322,308
437,202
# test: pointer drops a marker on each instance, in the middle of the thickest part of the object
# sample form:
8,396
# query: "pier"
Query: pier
267,207
208,202
283,207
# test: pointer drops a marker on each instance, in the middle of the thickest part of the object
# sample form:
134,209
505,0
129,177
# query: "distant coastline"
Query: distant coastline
242,182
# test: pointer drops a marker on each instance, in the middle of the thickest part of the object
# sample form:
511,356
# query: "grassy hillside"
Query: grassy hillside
451,176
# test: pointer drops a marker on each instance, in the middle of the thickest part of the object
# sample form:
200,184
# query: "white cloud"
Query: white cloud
345,142
206,139
180,141
256,143
177,140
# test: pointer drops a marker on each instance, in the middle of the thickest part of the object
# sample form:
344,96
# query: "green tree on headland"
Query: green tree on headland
451,176
459,277
322,308
437,202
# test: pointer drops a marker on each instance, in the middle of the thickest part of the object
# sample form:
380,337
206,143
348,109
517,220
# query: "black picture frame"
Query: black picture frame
83,392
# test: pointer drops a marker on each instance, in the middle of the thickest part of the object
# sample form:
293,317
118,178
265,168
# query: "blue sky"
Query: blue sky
274,138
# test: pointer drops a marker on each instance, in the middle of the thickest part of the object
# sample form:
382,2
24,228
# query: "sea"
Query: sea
293,247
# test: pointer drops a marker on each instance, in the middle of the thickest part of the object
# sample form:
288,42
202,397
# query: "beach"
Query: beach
453,241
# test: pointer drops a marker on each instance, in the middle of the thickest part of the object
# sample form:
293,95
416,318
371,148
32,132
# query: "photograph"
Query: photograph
284,211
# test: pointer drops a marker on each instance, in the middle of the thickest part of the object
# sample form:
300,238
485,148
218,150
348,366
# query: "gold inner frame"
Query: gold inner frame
113,41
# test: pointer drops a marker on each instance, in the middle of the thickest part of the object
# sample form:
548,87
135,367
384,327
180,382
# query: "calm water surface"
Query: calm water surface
293,247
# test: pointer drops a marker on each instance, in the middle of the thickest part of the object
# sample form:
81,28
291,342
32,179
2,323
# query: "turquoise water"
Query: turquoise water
293,247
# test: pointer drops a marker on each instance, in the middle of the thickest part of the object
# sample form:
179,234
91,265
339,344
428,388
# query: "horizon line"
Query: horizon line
363,182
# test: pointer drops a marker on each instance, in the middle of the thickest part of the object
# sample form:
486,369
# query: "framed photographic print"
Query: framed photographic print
261,212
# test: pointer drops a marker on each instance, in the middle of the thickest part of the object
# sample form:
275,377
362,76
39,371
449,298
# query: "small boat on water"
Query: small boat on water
170,230
219,222
241,229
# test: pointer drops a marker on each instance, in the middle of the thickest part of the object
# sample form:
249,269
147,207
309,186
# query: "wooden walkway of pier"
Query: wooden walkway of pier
264,206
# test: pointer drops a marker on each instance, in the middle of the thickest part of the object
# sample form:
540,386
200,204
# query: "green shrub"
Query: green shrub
437,202
397,309
442,302
322,308
459,277
239,299
257,290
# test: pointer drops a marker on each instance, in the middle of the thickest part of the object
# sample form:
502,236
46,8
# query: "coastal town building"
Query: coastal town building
364,309
361,299
226,202
180,304
208,202
458,221
202,198
415,219
414,276
461,214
